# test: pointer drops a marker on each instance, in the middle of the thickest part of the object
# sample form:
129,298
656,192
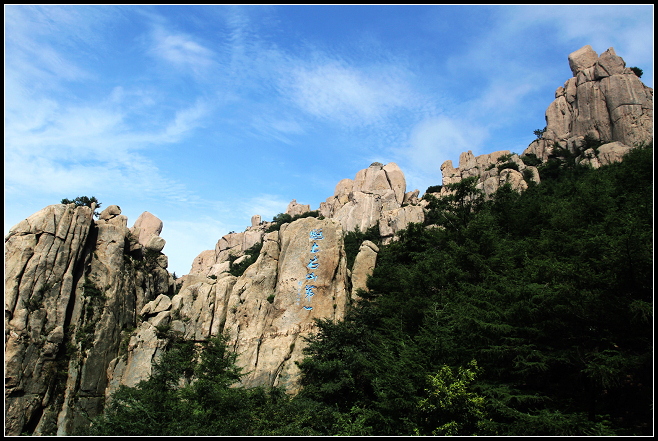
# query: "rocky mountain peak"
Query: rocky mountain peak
604,101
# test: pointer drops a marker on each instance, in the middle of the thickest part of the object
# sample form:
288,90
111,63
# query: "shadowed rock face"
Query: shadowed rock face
71,287
42,266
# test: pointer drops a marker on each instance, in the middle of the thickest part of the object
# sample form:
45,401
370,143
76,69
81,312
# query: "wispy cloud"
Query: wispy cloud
181,51
346,94
267,205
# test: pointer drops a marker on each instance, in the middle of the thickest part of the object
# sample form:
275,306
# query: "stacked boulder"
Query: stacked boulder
375,197
486,168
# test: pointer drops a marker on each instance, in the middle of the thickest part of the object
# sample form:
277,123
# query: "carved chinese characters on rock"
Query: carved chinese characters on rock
308,286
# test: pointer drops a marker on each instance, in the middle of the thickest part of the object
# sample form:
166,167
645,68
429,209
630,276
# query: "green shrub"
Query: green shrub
434,189
270,298
512,165
637,71
531,159
252,253
590,142
284,218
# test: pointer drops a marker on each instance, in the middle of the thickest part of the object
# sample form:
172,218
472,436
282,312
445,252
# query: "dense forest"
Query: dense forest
526,314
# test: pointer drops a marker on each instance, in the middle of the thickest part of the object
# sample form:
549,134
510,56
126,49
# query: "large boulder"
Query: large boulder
145,226
392,221
582,59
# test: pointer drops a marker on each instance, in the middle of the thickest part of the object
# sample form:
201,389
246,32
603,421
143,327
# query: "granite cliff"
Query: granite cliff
89,304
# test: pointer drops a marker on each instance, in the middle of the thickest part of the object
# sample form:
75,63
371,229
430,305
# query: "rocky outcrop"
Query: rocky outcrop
235,244
203,262
360,203
493,170
392,221
607,154
146,226
44,257
72,288
295,209
603,100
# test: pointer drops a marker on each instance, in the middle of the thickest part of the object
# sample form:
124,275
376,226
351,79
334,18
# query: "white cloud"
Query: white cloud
185,120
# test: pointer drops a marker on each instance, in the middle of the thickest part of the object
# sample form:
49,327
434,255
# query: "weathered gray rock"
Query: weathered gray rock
608,153
145,226
362,211
396,180
219,268
265,334
605,101
608,64
110,212
161,303
234,244
344,187
42,254
68,282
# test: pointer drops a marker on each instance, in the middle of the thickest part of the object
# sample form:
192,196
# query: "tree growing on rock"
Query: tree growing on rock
83,201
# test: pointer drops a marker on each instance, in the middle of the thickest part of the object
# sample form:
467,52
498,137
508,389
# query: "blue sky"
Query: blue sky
207,115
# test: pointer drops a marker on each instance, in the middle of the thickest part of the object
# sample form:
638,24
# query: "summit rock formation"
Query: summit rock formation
604,101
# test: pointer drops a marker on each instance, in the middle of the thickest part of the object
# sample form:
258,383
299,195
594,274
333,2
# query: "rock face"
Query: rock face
203,262
72,288
235,244
300,274
374,192
364,264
